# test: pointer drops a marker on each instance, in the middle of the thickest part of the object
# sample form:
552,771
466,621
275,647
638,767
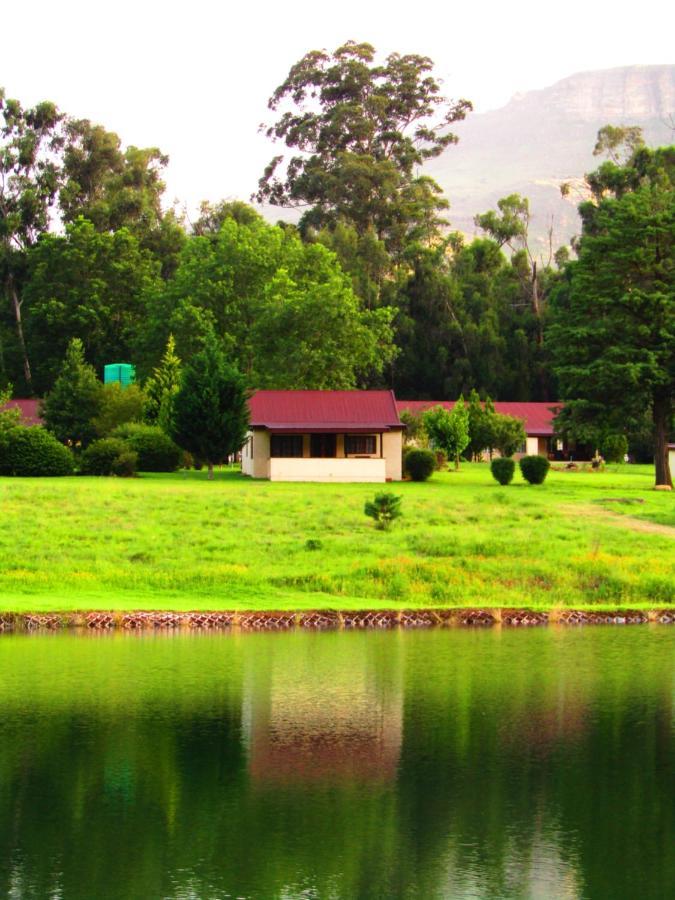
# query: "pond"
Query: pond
436,764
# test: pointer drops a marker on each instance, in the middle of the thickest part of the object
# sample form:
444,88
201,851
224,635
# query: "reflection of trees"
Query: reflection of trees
518,752
139,785
509,764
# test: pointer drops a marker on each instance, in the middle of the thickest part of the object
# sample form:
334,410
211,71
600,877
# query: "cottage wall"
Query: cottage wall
255,454
383,465
392,448
328,469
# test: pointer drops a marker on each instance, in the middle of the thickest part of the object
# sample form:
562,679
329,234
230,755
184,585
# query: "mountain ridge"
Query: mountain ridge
546,136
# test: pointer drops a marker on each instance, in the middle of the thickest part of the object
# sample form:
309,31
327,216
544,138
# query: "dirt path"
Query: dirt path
630,522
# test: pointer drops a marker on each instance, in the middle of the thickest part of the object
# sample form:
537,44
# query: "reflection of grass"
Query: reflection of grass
177,541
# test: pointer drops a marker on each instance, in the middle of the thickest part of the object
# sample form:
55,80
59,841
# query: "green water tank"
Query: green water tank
124,373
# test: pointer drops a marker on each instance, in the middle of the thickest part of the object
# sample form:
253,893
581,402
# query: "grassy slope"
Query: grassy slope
180,542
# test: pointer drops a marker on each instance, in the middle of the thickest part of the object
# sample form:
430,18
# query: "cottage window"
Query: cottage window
360,444
323,445
285,445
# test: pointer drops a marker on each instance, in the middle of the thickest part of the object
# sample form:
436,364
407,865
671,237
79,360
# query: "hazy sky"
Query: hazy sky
193,78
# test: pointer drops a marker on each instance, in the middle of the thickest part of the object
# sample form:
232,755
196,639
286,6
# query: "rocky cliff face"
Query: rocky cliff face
632,92
542,138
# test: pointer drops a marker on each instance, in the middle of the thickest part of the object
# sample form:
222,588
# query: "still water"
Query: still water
441,764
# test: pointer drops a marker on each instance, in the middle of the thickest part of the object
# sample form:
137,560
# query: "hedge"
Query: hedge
156,451
33,451
102,457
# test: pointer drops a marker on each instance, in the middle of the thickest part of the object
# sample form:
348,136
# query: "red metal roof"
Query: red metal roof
324,410
30,410
537,417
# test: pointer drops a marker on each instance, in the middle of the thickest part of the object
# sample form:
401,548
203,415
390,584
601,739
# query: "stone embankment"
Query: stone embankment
322,620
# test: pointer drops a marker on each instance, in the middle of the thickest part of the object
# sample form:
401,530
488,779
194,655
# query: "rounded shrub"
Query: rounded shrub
534,468
502,468
156,451
420,464
101,457
33,451
125,464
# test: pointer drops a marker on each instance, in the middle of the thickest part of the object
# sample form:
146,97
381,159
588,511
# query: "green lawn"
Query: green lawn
180,542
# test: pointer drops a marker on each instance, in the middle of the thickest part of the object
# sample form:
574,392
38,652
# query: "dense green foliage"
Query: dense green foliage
534,469
613,335
161,387
419,463
118,405
88,285
10,416
126,464
282,310
503,469
210,409
70,408
154,449
33,451
102,456
614,447
489,430
359,130
448,430
384,508
371,289
29,180
508,434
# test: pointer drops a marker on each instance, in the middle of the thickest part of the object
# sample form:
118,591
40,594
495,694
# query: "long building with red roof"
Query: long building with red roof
356,435
537,420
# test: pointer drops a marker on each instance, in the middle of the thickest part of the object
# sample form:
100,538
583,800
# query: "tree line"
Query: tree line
370,288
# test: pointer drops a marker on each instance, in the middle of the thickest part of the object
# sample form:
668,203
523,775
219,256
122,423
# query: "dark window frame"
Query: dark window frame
352,444
323,445
286,446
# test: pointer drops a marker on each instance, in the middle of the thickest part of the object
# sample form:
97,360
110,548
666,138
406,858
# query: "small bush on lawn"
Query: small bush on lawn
33,451
156,451
313,544
384,508
614,448
101,457
126,464
534,468
502,468
420,464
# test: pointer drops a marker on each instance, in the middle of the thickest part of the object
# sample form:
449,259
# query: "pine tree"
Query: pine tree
210,409
612,340
162,387
75,400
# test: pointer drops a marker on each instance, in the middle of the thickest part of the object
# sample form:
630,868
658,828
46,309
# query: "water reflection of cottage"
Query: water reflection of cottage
321,716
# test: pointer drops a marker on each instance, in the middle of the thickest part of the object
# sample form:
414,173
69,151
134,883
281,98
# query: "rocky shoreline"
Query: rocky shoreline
323,620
